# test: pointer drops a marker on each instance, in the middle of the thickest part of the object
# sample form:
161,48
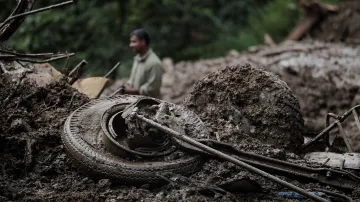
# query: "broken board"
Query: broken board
335,160
92,86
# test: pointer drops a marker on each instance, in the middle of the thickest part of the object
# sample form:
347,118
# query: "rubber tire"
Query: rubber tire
91,159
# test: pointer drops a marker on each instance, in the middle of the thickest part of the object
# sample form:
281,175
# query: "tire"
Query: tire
82,138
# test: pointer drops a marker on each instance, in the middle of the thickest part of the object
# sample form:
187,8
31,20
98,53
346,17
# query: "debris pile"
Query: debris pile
36,167
32,154
323,76
257,111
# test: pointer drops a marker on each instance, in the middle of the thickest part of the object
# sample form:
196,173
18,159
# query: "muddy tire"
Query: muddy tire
82,138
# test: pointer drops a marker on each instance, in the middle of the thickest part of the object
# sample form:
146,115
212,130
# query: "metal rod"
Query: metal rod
117,91
324,132
78,67
331,126
228,158
356,118
112,70
35,11
345,137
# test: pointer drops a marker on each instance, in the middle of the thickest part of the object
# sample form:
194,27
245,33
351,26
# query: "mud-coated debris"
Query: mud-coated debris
248,103
326,79
104,183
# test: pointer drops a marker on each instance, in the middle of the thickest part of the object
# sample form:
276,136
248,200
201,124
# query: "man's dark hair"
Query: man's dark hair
141,34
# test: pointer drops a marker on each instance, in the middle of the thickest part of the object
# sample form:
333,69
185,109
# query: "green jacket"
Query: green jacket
146,74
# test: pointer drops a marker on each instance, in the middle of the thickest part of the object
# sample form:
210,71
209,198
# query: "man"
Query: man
146,73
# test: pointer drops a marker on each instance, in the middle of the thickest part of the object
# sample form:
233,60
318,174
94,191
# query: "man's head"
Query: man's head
139,40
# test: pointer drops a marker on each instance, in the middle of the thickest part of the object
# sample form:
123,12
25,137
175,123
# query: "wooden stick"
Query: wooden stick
16,58
112,70
78,67
27,54
10,28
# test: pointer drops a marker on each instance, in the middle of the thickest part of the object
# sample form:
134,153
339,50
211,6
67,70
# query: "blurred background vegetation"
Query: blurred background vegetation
98,30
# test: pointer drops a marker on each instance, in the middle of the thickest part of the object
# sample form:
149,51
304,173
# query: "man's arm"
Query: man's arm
128,89
131,91
153,82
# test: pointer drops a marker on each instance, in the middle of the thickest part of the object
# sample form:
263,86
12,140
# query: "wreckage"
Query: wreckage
134,140
252,121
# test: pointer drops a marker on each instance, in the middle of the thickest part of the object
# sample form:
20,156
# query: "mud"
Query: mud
36,168
248,106
323,76
32,118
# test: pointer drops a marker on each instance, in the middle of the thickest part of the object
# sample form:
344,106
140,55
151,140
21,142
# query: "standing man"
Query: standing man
146,73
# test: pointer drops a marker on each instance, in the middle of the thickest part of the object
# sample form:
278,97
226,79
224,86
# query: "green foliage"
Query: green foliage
98,31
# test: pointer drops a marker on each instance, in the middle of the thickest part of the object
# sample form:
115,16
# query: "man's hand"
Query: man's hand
131,91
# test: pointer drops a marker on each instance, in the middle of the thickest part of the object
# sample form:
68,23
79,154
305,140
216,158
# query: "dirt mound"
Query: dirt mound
323,76
246,104
35,167
31,151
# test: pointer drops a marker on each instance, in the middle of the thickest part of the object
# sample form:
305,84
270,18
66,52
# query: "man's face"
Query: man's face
135,44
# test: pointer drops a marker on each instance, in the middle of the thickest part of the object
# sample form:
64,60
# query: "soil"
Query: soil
323,76
248,107
35,167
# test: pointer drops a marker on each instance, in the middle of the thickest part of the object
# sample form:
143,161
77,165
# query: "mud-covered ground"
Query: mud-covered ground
323,76
35,166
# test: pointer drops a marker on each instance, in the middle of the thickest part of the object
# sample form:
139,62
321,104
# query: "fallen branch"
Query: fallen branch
35,11
18,58
36,55
314,11
303,27
9,28
112,70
